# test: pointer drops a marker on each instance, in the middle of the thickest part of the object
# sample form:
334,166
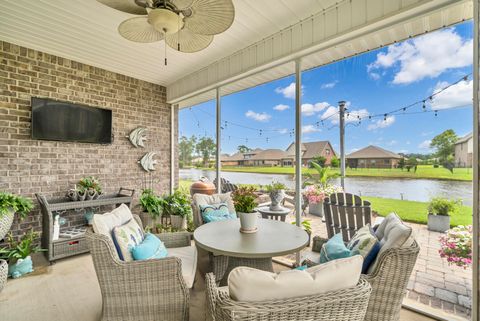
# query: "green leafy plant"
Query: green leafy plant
244,199
20,249
322,178
19,204
89,183
307,226
177,203
275,186
151,203
443,206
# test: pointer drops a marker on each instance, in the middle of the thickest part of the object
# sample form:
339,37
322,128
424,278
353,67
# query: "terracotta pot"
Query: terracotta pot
202,186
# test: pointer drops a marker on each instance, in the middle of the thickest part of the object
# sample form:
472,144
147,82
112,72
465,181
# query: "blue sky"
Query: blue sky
373,83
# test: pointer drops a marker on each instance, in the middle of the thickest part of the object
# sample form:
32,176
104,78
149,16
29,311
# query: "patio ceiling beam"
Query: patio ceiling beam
342,24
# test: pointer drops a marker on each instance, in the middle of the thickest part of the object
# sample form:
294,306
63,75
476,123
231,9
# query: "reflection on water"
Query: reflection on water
410,189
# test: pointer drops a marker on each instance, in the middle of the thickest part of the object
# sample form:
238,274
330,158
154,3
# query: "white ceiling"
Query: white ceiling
86,31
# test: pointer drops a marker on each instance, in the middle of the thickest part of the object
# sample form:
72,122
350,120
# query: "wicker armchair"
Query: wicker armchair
343,305
389,282
140,290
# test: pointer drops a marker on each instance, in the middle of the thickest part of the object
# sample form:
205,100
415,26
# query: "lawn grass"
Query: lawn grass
423,171
416,212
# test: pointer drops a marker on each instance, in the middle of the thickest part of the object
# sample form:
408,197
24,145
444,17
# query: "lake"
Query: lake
408,189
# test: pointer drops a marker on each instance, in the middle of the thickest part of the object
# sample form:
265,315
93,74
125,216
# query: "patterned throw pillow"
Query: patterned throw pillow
150,248
366,244
334,249
125,237
215,212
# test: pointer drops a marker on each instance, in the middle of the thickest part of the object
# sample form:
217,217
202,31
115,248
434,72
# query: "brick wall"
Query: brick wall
33,166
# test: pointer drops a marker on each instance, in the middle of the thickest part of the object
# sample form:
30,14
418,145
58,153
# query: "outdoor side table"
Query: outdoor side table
273,215
256,250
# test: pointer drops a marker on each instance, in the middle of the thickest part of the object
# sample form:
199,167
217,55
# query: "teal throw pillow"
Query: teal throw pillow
215,212
334,249
366,244
150,248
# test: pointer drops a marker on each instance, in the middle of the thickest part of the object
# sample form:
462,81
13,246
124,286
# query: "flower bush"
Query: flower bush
456,246
316,193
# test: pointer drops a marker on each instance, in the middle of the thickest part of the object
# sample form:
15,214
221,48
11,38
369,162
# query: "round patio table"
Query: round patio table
273,238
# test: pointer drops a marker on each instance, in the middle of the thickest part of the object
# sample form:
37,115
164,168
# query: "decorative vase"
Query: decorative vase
72,194
438,223
81,195
3,274
315,209
98,195
88,216
91,193
6,221
149,221
276,197
248,222
179,222
21,267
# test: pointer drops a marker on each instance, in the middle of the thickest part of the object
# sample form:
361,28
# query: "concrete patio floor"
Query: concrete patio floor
69,291
434,285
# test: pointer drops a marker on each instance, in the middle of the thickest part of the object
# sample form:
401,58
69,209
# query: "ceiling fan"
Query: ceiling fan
185,25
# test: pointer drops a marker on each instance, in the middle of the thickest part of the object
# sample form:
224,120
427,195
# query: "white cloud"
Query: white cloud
353,150
374,75
329,85
310,109
351,116
382,123
283,131
309,129
391,143
403,151
427,56
425,144
460,94
262,117
287,92
281,107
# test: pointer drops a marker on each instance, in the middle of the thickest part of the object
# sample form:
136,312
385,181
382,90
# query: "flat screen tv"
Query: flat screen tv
64,121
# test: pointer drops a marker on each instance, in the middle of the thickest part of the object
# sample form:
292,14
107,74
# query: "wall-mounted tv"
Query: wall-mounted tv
64,121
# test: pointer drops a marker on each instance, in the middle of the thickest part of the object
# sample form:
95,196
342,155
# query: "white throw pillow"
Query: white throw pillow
252,285
104,223
126,237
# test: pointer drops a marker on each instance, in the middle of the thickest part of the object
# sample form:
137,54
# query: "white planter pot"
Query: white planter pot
316,209
248,222
277,197
179,222
6,221
438,223
3,274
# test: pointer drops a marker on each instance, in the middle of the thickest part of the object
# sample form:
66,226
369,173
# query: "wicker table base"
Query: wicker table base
264,264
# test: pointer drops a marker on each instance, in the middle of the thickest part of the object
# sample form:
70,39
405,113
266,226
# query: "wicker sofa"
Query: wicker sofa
343,305
141,290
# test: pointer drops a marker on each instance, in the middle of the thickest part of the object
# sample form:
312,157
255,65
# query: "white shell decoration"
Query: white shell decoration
148,162
138,136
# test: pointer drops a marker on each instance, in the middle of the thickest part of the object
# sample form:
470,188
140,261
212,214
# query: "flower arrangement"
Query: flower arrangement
456,246
317,194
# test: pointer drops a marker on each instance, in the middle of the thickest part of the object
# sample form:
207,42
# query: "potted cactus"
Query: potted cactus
244,199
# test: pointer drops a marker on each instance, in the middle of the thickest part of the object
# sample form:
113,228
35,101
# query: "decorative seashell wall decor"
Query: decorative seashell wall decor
147,162
138,136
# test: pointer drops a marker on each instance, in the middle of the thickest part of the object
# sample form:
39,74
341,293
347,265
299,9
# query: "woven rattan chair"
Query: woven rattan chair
140,290
343,305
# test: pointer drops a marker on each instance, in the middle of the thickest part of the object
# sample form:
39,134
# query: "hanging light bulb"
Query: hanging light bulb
385,117
260,132
436,112
404,109
424,106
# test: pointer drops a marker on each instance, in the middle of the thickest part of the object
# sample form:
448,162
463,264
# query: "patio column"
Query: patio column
172,146
218,138
476,157
298,147
342,142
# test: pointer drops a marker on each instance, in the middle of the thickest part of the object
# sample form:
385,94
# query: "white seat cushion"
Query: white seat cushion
104,223
392,233
188,256
252,285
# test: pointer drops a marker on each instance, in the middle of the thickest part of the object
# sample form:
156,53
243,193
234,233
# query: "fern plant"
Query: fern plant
20,249
19,204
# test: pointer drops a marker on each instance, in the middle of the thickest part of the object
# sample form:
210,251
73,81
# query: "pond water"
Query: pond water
408,189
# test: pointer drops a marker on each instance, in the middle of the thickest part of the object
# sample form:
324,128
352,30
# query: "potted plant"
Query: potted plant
276,190
318,187
307,226
152,206
456,246
17,254
439,210
90,187
9,205
244,199
178,206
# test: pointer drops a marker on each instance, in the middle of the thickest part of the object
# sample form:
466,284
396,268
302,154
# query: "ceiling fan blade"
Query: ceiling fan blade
189,41
210,17
139,30
128,6
182,4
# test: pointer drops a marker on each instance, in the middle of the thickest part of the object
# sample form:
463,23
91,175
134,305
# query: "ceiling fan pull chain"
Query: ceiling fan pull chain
178,34
165,44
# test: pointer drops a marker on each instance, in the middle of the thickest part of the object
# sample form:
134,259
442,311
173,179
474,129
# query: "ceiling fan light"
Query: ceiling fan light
165,21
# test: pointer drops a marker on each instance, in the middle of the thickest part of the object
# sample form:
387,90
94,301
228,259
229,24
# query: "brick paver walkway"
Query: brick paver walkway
433,281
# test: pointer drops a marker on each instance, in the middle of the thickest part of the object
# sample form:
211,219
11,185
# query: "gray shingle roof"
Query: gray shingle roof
373,152
311,149
270,154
